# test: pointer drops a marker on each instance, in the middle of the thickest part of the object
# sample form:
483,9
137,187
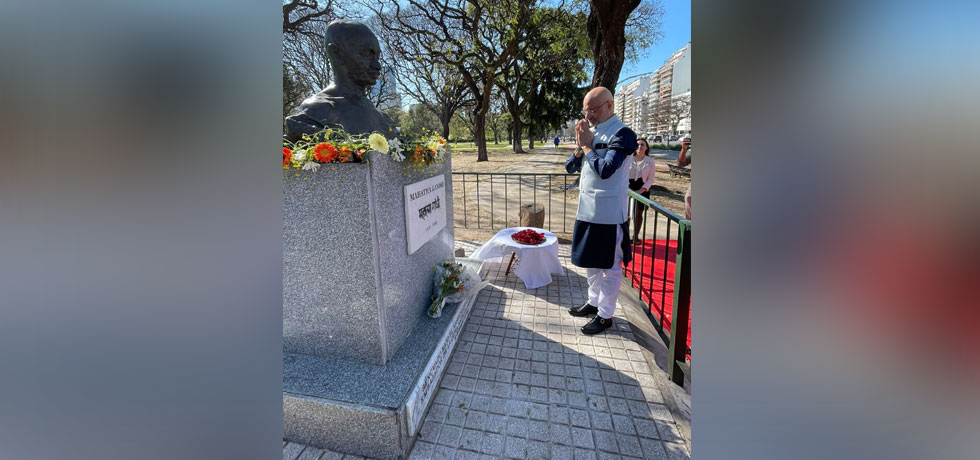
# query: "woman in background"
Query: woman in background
642,170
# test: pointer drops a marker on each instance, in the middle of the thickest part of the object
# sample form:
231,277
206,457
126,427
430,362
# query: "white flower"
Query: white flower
299,156
311,166
394,145
378,142
394,149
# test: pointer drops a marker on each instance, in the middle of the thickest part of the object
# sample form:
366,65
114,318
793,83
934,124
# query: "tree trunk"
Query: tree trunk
606,27
516,125
480,117
532,215
480,135
517,141
445,129
530,136
444,117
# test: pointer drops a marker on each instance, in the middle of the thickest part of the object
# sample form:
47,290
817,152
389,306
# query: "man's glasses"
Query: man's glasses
588,112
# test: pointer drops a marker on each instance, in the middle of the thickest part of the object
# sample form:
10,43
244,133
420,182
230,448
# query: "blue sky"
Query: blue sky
676,34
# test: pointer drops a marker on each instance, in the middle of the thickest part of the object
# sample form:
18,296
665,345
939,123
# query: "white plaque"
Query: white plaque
425,210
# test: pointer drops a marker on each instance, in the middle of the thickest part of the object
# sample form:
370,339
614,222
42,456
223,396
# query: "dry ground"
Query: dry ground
500,157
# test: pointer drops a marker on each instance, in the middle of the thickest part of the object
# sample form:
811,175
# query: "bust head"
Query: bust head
354,55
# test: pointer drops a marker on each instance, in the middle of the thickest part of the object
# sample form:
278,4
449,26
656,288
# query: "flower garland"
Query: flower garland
332,145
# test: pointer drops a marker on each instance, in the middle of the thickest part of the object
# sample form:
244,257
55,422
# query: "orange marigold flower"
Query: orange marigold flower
324,152
286,156
345,154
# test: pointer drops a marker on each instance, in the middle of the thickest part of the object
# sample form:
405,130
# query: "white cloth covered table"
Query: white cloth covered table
537,262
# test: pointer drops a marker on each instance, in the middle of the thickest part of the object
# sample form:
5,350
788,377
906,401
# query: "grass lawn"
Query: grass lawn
500,157
465,147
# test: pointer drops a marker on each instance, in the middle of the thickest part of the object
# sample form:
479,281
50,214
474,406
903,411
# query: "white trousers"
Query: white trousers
604,283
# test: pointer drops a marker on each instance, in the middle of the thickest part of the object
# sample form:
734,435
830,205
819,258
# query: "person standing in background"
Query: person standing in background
642,172
557,140
599,242
684,159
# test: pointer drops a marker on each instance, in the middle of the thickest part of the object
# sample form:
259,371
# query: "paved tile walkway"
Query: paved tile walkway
525,383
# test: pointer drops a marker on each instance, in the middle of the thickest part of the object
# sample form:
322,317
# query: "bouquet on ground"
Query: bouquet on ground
334,145
528,236
452,283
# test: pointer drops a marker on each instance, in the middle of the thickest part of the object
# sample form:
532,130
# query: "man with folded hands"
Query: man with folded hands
598,242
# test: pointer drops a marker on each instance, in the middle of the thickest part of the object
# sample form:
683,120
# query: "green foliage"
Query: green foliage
396,114
535,51
557,102
460,128
419,121
644,29
542,87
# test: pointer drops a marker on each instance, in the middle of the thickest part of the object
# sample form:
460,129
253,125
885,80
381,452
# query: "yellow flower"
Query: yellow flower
378,142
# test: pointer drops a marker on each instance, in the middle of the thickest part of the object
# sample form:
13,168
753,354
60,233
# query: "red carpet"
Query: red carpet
647,274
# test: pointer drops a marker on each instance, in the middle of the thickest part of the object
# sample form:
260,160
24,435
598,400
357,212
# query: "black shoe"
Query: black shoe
597,325
584,310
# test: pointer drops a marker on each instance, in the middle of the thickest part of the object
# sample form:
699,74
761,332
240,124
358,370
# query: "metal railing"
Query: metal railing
493,200
649,275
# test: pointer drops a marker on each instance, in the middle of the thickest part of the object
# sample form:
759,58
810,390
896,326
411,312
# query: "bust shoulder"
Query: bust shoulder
356,115
324,107
321,99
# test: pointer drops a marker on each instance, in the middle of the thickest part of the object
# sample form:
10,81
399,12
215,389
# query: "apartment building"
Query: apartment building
631,104
638,102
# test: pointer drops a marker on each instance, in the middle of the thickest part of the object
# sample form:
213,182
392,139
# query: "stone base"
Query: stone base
366,409
346,258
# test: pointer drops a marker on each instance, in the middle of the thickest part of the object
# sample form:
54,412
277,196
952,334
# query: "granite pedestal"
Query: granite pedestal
350,287
361,360
365,409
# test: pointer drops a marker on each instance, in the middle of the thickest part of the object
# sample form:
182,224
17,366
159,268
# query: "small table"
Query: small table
537,262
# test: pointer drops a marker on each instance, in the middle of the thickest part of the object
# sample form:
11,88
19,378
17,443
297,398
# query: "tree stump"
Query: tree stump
532,215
